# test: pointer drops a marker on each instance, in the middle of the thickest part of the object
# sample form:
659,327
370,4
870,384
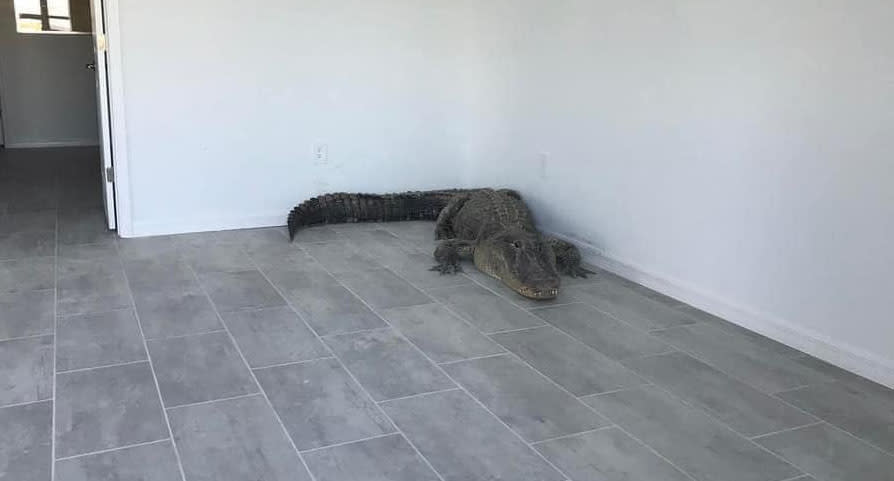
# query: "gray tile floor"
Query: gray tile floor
239,356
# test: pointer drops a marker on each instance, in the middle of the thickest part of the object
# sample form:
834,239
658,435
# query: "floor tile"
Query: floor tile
321,405
865,410
745,336
231,291
175,309
294,271
332,309
608,455
524,399
742,407
217,258
831,455
382,289
162,248
20,245
28,221
484,309
27,275
273,336
148,462
93,340
107,249
27,313
234,440
26,442
630,306
340,257
286,257
388,458
566,361
315,234
257,240
602,332
107,408
380,245
153,272
199,368
387,365
440,334
91,286
747,361
419,233
415,267
465,442
687,437
83,225
26,370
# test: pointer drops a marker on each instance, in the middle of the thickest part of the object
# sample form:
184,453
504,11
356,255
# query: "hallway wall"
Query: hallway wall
49,98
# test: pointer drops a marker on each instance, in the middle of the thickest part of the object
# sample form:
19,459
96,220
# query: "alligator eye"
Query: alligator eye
516,244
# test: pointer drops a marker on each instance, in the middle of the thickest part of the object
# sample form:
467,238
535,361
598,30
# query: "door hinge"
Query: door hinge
110,175
101,43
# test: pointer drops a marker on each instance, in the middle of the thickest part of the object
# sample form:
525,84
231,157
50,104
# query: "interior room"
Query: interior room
395,240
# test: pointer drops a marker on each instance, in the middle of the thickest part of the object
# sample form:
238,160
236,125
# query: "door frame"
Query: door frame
117,118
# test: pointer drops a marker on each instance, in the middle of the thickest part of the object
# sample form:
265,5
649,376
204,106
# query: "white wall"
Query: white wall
48,96
735,153
225,99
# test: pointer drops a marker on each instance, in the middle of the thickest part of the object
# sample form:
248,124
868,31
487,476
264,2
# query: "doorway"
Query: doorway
54,84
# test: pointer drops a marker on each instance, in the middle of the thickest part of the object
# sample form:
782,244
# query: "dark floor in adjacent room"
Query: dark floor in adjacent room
240,356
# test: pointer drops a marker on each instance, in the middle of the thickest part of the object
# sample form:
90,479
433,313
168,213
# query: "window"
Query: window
53,16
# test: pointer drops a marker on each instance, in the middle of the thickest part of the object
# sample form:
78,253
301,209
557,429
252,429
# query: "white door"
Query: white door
102,98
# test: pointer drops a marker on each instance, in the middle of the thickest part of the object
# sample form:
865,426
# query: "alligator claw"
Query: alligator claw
447,268
577,271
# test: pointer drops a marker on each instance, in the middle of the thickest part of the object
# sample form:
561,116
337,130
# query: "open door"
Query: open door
103,113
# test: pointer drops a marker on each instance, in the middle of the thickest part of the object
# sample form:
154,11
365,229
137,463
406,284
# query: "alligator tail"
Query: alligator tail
346,208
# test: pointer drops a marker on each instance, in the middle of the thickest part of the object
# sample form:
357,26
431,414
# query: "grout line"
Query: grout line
351,375
292,363
499,354
518,435
615,391
445,373
161,402
787,430
200,403
321,448
181,336
117,364
422,394
254,377
572,435
521,329
55,345
15,405
884,451
93,313
358,331
112,450
34,336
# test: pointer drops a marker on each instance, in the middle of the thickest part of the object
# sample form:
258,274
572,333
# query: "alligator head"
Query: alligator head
522,260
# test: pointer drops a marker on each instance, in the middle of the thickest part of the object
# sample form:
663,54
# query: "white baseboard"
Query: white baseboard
184,226
52,144
843,355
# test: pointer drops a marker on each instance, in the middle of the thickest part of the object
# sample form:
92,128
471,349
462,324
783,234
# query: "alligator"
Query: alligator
493,228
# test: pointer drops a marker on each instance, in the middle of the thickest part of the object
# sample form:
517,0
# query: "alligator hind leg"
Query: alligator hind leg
568,259
444,225
449,253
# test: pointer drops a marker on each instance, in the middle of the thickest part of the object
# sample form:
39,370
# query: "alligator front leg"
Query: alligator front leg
450,252
568,259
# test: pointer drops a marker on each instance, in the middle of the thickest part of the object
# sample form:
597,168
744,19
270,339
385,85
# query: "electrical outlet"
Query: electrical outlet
321,153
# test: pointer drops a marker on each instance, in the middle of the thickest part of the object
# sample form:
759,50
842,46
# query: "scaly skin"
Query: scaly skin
494,228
